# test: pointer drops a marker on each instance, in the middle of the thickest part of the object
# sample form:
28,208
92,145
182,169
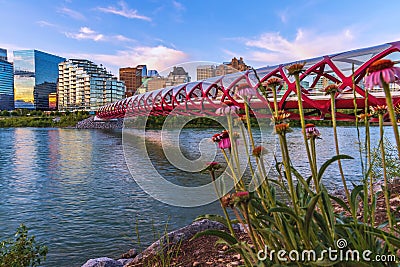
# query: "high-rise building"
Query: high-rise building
205,72
132,77
152,73
3,54
35,77
143,68
6,82
53,101
83,85
233,66
156,82
177,76
208,71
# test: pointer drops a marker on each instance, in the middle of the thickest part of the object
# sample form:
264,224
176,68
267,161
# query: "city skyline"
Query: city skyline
161,34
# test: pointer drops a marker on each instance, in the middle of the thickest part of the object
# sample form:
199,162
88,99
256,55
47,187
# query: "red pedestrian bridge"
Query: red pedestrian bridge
202,98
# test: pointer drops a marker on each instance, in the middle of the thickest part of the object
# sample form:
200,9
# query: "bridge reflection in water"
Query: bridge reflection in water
203,97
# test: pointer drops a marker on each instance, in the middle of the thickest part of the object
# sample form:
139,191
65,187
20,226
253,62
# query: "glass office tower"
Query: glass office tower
35,78
3,54
6,82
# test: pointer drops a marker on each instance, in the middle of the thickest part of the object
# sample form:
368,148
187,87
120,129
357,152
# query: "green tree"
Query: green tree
22,250
5,113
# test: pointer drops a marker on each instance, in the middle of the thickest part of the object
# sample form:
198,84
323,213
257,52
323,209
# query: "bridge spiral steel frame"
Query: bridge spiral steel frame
204,97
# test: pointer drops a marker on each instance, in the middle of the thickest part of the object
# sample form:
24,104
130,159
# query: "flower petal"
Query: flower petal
376,78
386,75
368,81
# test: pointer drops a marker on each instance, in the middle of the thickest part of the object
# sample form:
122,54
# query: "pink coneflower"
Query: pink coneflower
332,89
380,109
240,197
222,139
246,92
282,128
296,68
382,68
225,141
280,117
228,108
226,201
259,151
312,131
213,166
364,117
216,137
274,82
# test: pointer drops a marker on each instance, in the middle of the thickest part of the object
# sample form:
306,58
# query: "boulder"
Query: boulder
103,262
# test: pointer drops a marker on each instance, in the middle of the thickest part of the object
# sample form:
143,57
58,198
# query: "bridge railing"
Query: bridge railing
204,97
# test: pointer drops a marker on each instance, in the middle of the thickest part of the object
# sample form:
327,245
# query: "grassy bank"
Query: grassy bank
22,118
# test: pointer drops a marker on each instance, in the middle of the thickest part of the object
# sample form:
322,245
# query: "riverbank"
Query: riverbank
177,248
41,119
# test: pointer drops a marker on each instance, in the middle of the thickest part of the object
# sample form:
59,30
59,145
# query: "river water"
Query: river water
73,190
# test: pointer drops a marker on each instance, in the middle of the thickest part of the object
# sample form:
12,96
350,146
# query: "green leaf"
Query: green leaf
353,196
286,210
328,208
221,234
329,162
305,183
310,212
340,202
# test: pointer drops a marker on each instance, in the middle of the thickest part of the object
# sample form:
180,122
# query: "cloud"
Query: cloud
124,11
178,6
283,15
273,48
71,13
122,38
157,57
86,33
43,23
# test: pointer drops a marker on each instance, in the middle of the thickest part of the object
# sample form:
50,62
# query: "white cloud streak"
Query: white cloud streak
89,34
124,11
71,13
157,57
86,33
43,23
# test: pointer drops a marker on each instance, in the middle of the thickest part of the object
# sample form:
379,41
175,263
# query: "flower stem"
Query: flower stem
212,173
234,149
246,108
335,136
275,101
368,163
385,182
392,114
229,162
288,171
303,126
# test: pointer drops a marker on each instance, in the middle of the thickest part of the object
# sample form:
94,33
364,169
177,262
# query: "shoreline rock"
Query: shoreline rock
90,123
167,241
